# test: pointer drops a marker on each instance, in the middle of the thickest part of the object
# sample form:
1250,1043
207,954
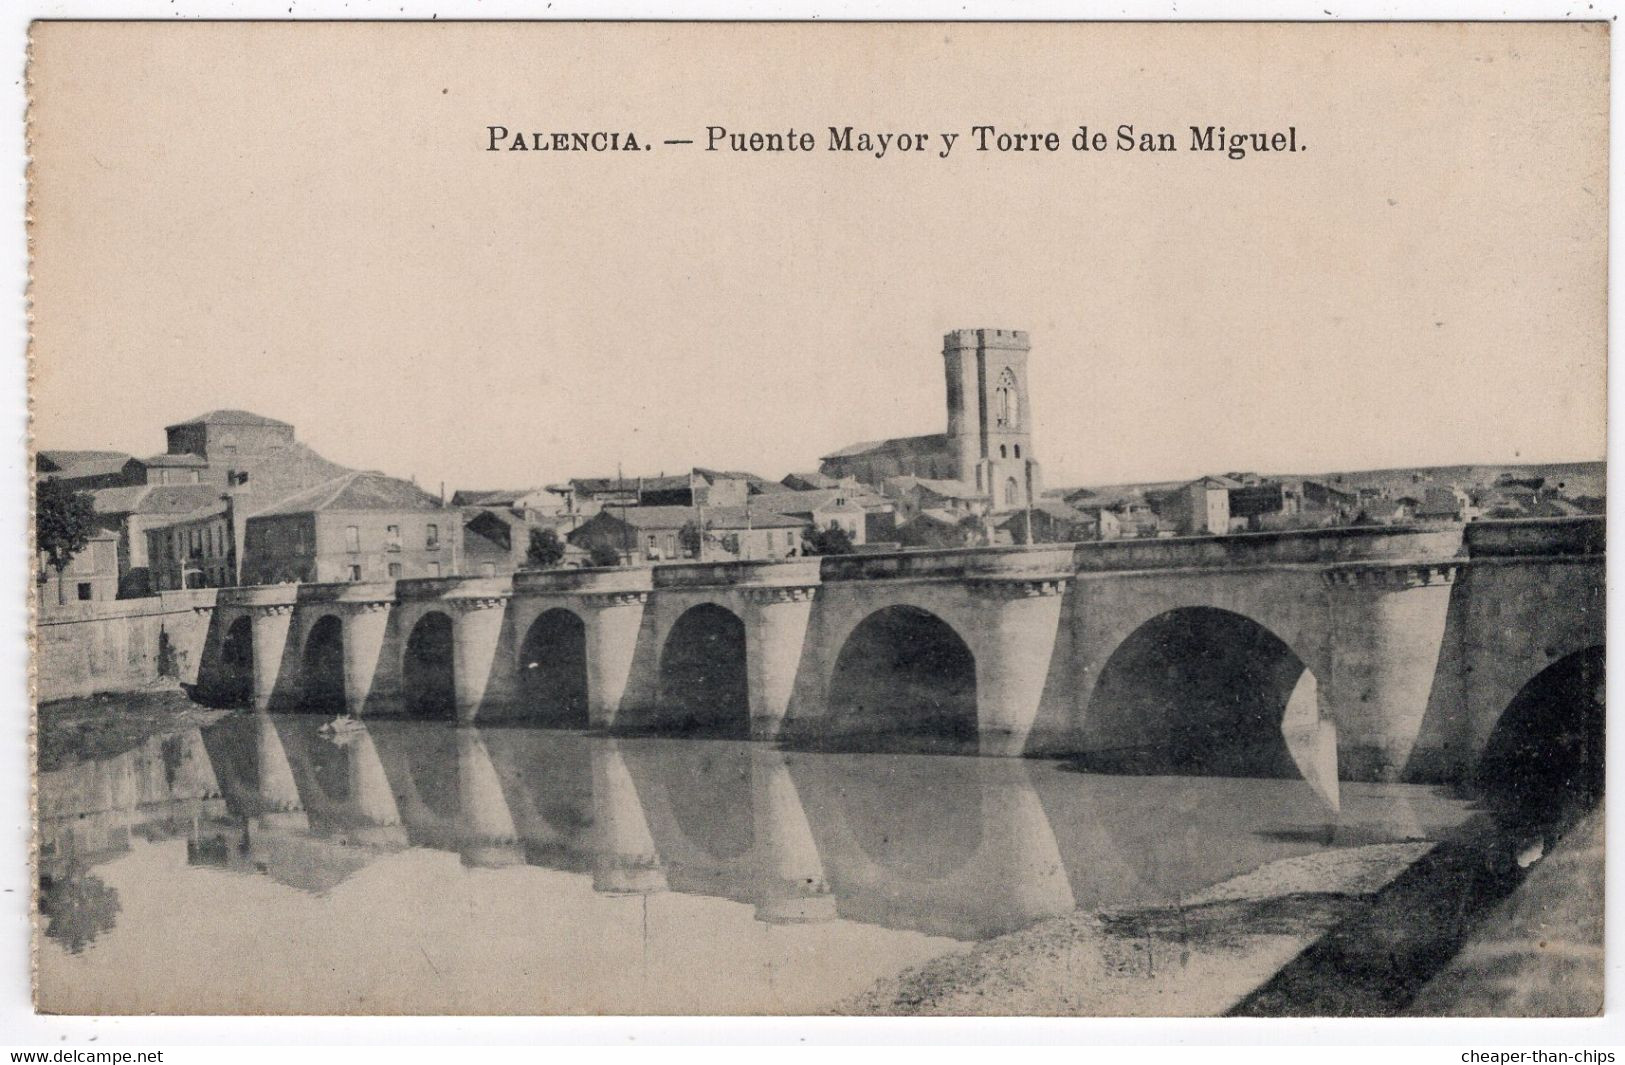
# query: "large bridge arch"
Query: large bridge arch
428,673
321,666
553,669
904,672
1198,690
1541,768
702,680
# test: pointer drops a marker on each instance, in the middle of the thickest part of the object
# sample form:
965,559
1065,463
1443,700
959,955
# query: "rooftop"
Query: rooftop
171,499
752,517
80,463
359,490
231,417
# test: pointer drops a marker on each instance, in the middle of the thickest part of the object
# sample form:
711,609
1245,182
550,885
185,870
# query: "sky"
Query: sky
303,221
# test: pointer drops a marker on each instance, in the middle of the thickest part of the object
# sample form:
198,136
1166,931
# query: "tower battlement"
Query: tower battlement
1009,339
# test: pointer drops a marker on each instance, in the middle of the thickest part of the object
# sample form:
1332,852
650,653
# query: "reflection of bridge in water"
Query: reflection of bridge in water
1352,654
962,847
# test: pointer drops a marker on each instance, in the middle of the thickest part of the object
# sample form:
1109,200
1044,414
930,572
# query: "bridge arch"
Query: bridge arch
237,663
904,672
321,667
1198,690
1542,767
427,670
703,685
553,669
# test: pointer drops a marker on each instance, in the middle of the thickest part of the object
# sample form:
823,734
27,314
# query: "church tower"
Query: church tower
989,416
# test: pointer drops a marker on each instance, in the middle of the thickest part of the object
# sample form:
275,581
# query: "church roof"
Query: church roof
932,442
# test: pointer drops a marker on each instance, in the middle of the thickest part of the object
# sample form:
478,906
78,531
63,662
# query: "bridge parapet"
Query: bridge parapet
971,563
1296,547
1526,537
259,596
421,588
348,593
606,585
754,573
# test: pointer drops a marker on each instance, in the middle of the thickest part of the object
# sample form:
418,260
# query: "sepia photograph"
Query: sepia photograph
855,519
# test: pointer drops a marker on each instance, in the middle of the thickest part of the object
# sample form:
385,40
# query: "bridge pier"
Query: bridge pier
776,620
625,861
614,620
476,633
365,625
1388,635
1020,619
790,887
270,625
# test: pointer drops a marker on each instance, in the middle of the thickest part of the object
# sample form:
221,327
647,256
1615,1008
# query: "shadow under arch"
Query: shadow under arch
235,686
553,670
427,679
1542,768
1198,691
904,679
703,687
322,667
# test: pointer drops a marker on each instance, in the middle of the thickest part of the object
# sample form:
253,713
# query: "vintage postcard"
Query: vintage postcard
1052,519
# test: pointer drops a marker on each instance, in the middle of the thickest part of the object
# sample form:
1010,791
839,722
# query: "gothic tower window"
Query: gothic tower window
1007,404
1012,492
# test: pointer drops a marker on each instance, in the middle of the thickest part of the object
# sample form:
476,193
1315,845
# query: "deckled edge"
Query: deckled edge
29,178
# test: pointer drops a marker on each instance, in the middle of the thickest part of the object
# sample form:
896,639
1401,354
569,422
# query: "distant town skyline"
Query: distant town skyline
416,305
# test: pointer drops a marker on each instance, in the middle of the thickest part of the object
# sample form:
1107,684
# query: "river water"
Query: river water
262,865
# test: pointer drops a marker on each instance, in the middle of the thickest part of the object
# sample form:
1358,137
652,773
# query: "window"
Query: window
431,539
1003,452
394,569
488,569
352,539
84,589
1018,451
355,573
789,538
392,538
1012,492
1006,403
434,569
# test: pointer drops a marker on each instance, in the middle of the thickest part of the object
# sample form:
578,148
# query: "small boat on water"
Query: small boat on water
343,725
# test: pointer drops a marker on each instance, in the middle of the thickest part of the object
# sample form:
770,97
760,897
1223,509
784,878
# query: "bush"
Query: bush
831,541
603,555
546,550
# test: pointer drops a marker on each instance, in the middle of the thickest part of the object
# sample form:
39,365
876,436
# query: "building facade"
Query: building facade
359,527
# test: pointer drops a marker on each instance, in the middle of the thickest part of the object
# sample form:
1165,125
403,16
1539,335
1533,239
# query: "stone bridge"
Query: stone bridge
1400,647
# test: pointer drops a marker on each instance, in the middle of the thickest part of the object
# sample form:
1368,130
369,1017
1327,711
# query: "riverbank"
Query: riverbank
1443,929
103,726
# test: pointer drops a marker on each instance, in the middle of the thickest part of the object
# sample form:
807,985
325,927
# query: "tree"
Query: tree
603,555
546,550
63,522
833,540
691,538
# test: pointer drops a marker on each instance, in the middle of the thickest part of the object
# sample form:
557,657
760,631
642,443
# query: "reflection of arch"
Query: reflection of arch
553,669
237,663
323,666
903,670
1196,690
702,673
1543,765
426,670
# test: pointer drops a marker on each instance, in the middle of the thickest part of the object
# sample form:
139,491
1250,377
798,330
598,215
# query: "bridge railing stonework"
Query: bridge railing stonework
1411,632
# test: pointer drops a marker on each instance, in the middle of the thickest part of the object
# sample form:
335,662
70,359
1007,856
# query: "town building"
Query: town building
131,512
649,535
1047,521
361,526
1445,502
820,508
87,470
91,576
238,447
195,551
988,445
1198,508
